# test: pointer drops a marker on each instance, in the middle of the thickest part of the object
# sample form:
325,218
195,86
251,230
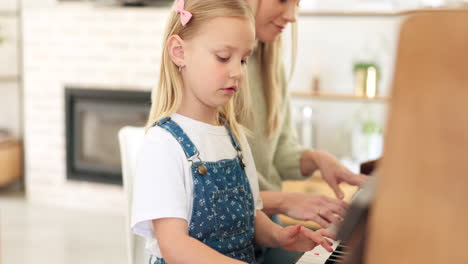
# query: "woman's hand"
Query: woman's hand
298,238
318,208
333,172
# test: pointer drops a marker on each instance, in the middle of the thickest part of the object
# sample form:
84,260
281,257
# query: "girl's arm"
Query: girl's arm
178,247
291,238
266,231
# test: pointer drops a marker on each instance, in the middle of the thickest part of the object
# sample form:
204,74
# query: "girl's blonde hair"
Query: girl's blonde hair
166,98
269,55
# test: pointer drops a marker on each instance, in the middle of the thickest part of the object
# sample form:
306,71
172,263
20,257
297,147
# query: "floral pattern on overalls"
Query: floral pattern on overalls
223,205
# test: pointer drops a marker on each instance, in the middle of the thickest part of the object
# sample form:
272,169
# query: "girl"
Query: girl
196,196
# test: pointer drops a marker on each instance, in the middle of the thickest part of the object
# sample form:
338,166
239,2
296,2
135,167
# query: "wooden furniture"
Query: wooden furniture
419,214
10,161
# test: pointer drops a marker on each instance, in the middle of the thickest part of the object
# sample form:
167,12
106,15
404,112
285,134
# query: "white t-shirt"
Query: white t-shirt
163,184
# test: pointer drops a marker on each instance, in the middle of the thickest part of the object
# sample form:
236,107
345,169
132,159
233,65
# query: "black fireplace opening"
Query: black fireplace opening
93,120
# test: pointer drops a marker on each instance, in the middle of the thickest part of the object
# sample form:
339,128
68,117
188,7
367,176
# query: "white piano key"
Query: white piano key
318,255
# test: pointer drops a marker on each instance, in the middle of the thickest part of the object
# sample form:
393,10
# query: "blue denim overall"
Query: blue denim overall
223,206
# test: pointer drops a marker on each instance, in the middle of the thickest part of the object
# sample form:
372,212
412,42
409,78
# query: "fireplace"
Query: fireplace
93,119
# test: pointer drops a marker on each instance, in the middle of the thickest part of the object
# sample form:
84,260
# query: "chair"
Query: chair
131,139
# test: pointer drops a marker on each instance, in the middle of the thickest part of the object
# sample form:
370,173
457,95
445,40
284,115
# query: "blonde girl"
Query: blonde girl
196,196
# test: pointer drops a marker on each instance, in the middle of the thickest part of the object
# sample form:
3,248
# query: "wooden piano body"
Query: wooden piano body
419,213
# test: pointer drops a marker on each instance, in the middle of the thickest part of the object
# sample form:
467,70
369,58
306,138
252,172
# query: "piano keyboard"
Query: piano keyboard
320,256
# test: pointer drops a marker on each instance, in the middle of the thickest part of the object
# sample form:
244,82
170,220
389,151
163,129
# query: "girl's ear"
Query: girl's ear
175,49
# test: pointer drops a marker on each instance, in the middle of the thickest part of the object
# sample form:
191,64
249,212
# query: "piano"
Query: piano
320,256
353,228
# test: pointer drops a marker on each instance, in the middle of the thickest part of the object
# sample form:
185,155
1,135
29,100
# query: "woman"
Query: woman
277,153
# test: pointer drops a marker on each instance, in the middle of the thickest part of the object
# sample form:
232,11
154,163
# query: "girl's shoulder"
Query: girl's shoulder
159,137
160,148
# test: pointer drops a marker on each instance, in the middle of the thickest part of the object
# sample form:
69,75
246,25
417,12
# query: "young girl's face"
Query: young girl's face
272,17
215,61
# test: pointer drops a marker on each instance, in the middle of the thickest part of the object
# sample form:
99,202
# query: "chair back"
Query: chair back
130,140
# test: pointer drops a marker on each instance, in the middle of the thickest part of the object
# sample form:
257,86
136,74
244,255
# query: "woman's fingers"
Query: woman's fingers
356,179
340,205
323,222
318,208
326,233
336,206
328,211
332,210
329,216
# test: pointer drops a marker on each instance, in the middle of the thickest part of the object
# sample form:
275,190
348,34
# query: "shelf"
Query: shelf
374,14
10,158
338,97
9,79
348,13
8,13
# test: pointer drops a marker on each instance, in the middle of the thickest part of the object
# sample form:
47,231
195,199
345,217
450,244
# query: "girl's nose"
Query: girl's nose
236,71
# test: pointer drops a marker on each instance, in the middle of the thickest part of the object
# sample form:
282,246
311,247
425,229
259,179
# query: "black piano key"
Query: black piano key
338,255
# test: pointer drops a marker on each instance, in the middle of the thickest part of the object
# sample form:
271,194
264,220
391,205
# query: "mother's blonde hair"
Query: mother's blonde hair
166,98
269,55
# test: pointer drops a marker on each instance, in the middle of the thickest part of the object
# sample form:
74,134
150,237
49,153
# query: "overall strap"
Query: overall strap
236,145
172,127
233,140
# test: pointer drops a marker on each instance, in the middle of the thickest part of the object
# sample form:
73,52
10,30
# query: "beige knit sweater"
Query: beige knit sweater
277,158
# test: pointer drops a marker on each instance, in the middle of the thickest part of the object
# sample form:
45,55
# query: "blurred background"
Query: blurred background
73,72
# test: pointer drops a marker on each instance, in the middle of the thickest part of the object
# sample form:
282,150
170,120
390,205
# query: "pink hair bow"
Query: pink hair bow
185,16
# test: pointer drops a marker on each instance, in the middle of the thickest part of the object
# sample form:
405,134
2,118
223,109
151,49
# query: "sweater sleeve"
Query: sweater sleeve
289,151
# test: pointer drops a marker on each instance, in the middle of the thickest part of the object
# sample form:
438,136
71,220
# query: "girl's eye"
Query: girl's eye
244,62
223,59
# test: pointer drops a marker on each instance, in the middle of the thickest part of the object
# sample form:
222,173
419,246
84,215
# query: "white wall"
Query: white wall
330,45
333,44
10,5
28,4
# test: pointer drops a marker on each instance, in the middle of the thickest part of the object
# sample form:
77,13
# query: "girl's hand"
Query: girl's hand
298,238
